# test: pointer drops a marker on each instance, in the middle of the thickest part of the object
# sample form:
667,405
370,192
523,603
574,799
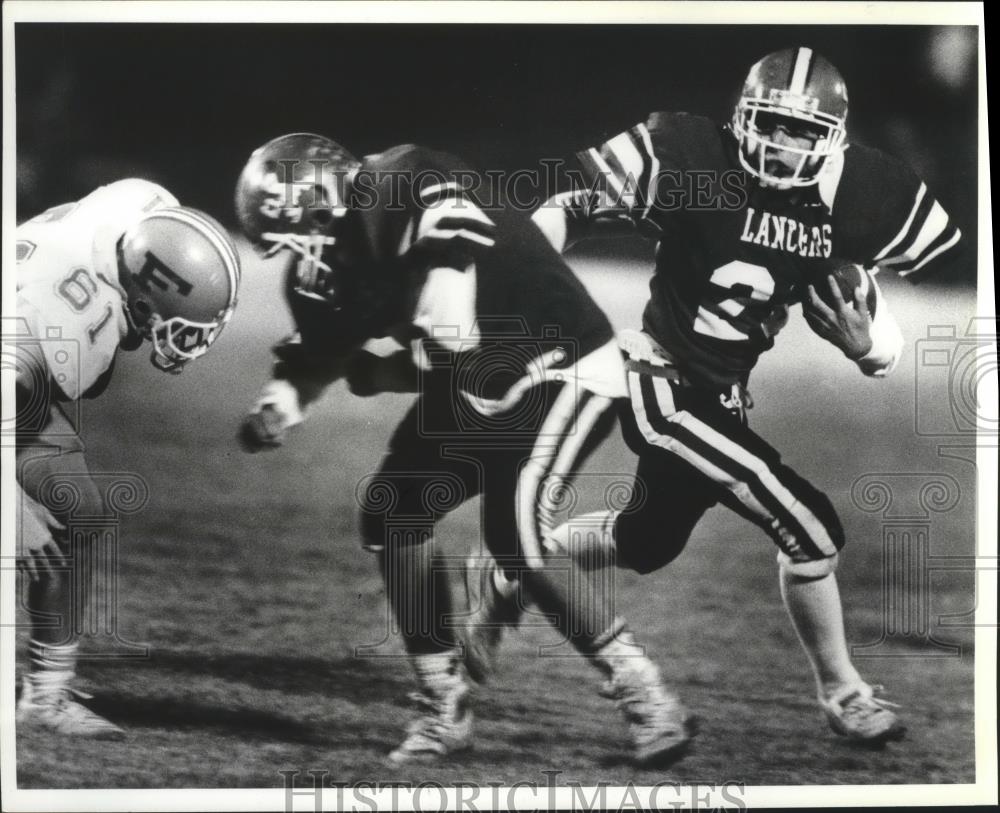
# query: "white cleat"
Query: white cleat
493,611
660,727
60,712
443,727
856,713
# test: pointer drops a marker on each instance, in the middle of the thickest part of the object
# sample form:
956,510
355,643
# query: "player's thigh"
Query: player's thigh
755,482
669,498
53,472
576,422
418,481
797,515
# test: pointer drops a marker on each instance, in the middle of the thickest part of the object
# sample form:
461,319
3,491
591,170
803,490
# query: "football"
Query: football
848,277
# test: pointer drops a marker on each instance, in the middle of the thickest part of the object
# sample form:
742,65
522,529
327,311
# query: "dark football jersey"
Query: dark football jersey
408,215
731,252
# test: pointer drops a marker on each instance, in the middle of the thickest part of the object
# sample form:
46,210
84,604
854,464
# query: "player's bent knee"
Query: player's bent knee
649,554
809,568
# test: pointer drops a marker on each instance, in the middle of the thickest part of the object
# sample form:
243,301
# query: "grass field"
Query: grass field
245,579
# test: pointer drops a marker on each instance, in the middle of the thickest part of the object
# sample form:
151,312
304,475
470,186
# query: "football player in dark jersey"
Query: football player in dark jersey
516,366
750,219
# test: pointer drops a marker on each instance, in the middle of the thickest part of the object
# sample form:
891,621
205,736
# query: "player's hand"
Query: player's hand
41,559
261,430
775,321
846,325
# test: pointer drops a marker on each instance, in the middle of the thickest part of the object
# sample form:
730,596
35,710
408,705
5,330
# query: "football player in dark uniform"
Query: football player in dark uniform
517,368
750,219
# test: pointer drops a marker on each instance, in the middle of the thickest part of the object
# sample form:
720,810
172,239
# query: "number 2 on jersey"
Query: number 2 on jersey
746,283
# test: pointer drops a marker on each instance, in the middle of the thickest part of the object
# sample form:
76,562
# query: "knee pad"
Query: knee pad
808,568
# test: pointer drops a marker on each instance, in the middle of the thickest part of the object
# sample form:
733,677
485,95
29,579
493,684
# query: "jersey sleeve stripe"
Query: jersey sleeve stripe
435,193
453,231
942,247
651,167
906,226
457,217
454,235
600,169
481,225
629,160
933,226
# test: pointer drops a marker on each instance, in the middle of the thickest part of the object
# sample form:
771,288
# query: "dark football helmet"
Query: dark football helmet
799,93
291,195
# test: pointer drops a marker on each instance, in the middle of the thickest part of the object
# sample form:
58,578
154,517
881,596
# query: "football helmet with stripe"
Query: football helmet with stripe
180,273
790,118
291,195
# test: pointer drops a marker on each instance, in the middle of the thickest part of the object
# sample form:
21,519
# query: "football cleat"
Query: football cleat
855,712
444,726
60,712
180,273
493,611
660,727
800,93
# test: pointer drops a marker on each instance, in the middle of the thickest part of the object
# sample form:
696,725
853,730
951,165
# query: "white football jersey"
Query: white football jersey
67,279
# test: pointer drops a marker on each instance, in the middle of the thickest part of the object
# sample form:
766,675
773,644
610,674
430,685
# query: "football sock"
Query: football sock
420,596
52,666
438,669
815,610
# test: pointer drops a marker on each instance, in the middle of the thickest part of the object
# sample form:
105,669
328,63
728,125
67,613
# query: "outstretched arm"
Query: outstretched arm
298,379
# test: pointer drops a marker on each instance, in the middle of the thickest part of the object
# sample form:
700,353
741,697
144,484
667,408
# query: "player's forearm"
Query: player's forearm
306,373
370,374
565,218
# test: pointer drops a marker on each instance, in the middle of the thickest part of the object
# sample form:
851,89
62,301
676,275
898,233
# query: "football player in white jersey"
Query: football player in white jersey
124,265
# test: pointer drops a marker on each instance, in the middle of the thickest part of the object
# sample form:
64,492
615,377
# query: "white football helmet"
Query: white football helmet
180,273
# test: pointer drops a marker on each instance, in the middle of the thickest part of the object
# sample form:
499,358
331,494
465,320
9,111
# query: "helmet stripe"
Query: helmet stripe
219,242
214,229
801,71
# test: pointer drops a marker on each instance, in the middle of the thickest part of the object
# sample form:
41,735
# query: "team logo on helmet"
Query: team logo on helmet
181,273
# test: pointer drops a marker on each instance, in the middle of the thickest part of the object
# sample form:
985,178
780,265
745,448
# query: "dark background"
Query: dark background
185,104
243,574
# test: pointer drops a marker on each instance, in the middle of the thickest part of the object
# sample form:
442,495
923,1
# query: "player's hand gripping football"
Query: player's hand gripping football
846,325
